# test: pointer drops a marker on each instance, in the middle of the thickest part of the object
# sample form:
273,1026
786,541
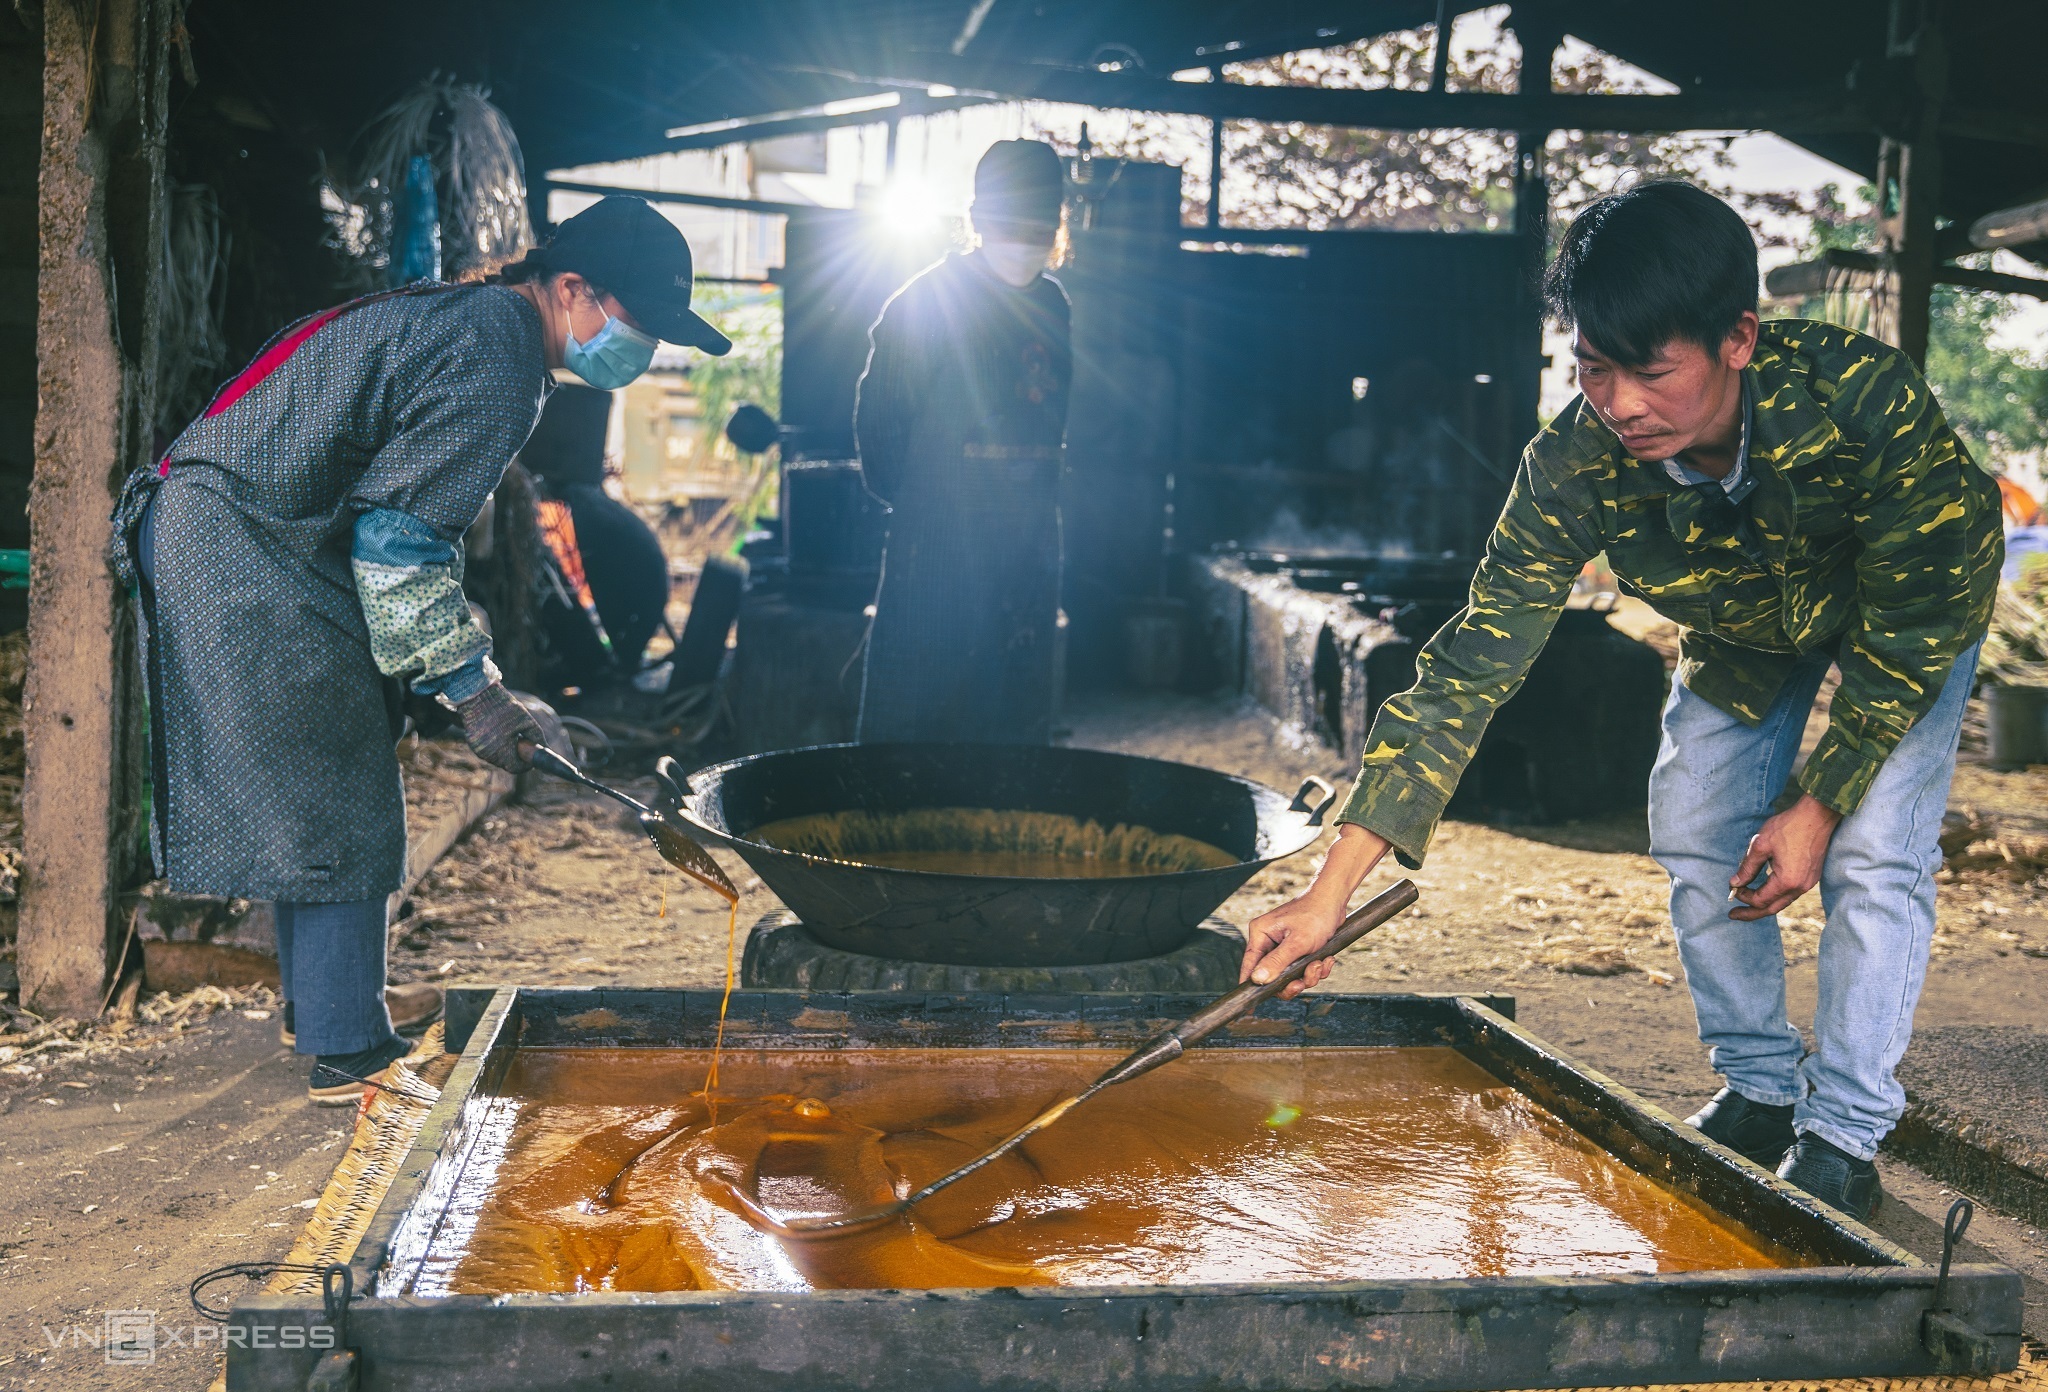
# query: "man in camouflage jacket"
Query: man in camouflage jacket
1791,495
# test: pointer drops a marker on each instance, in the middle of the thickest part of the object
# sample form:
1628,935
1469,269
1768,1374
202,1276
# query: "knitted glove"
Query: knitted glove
494,723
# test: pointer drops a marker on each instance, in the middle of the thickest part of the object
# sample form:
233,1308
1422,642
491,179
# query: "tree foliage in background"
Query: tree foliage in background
1324,177
752,371
1328,177
1331,177
1995,397
1320,177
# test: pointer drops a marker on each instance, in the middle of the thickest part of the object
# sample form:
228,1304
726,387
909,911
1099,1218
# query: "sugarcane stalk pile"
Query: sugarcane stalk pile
31,1043
2016,649
1972,843
13,760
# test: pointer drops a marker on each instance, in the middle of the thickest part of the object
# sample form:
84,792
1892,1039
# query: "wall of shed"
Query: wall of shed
21,138
21,125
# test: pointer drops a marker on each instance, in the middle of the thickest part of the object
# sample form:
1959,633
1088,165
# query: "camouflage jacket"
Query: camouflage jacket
1875,536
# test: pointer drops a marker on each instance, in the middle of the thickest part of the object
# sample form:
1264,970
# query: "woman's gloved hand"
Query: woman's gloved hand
495,723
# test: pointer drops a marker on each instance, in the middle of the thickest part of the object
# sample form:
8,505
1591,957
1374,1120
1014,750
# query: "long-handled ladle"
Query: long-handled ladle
674,844
1160,1049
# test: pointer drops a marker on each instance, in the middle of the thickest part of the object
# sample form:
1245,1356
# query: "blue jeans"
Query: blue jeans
1712,788
330,958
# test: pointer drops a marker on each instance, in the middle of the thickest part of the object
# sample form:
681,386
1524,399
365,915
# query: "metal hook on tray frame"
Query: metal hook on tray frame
340,1368
333,1302
1957,1346
1952,1229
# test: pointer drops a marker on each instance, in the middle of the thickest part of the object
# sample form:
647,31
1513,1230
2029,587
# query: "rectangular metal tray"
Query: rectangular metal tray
1861,1311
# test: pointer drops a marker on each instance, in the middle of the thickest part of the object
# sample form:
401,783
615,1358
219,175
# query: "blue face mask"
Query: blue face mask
614,356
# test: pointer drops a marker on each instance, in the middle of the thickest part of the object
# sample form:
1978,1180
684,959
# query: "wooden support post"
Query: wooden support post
1914,165
1539,34
1919,184
1215,217
1440,56
100,232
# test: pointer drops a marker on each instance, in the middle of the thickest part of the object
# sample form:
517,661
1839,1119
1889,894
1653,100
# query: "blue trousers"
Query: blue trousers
330,958
1712,788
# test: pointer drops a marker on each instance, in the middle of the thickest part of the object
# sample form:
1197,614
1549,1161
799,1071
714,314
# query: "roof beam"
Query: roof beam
971,25
1994,126
745,131
2011,227
1356,24
1996,281
697,200
1809,112
1808,278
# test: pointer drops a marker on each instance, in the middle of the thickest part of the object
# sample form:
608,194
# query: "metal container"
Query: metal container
1425,578
1862,1310
1322,641
831,524
1154,643
2017,725
981,920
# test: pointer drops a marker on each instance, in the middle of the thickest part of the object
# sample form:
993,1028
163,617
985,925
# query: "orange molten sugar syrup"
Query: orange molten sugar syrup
605,1170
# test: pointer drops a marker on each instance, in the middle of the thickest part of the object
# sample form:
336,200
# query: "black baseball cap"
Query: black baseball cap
625,248
1018,183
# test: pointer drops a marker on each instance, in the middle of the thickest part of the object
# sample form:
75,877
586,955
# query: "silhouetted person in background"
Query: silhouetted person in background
961,419
608,557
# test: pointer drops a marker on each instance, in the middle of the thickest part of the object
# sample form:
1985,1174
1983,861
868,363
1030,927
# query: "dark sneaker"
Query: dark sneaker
286,1035
1757,1131
1834,1176
334,1080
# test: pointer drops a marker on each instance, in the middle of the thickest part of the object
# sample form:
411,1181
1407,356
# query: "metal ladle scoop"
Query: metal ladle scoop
674,845
1160,1049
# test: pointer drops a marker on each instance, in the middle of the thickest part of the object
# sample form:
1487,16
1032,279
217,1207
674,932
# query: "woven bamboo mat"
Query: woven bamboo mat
2030,1376
387,1124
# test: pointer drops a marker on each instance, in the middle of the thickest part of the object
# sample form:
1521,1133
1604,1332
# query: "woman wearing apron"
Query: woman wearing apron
300,544
961,419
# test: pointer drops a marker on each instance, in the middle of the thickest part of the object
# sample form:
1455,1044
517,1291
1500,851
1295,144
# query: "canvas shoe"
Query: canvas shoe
334,1081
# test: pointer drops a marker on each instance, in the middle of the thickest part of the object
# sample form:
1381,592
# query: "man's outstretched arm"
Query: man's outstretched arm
1424,738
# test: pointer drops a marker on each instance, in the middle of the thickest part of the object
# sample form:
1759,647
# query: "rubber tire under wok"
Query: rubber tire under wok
972,920
781,955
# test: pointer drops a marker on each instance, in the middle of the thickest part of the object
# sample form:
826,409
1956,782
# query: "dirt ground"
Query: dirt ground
123,1176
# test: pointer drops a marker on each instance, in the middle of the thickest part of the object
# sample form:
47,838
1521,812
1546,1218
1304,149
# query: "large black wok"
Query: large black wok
977,920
